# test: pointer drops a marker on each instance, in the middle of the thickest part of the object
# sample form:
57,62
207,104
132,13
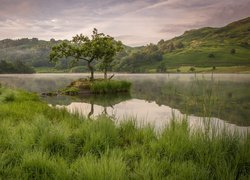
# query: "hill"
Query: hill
15,68
203,48
33,52
225,49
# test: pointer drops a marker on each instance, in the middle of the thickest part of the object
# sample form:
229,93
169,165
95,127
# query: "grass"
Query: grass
98,86
50,70
109,86
198,56
40,142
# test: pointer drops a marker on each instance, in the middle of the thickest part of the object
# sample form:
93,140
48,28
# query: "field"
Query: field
40,142
199,56
50,70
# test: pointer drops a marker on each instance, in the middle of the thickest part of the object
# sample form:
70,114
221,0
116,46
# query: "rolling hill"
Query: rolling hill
197,50
203,48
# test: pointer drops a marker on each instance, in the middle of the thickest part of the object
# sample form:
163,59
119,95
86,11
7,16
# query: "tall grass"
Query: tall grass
109,86
39,142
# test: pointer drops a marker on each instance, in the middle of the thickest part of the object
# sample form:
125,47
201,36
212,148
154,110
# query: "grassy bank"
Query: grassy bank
40,142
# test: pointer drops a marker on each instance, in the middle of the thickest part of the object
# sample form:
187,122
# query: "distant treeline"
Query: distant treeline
15,67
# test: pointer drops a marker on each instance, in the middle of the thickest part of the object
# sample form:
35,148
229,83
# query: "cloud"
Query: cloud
135,22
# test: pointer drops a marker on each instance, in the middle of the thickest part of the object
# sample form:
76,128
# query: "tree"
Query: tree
52,40
161,68
192,69
83,48
16,67
233,51
179,45
211,55
111,48
171,47
244,44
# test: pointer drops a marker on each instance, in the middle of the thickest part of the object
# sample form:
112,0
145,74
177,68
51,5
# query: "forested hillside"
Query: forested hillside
33,52
15,68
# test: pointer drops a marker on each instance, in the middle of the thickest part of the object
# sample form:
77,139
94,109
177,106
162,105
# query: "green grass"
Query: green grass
50,70
98,86
40,142
231,69
198,56
109,86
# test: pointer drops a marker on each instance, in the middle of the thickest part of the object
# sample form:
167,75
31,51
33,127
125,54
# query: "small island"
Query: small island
97,86
99,48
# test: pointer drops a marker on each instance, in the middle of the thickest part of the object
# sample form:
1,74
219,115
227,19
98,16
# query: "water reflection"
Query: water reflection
90,105
150,113
224,96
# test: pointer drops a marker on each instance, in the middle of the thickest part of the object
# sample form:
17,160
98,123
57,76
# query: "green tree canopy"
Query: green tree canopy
99,47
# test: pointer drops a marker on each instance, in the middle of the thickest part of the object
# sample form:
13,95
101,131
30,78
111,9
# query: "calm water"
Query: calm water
156,98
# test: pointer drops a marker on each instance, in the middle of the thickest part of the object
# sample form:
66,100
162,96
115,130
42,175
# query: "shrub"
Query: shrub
233,51
192,69
211,55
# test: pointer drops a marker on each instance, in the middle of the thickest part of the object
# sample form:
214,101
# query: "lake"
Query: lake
204,100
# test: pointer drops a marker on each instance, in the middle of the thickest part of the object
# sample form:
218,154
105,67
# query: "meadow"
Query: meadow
41,142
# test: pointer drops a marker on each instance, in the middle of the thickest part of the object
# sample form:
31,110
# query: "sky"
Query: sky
134,22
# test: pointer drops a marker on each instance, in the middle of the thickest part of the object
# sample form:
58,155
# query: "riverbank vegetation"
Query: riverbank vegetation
41,142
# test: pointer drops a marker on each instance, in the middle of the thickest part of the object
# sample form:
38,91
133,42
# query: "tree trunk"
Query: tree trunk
91,71
105,74
111,76
91,111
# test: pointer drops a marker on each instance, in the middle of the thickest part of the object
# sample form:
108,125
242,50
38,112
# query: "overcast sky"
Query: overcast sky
135,22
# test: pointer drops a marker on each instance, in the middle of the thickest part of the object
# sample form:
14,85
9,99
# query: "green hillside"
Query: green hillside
212,46
225,49
204,49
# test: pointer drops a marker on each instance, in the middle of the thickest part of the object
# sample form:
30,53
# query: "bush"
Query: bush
211,55
192,69
233,51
